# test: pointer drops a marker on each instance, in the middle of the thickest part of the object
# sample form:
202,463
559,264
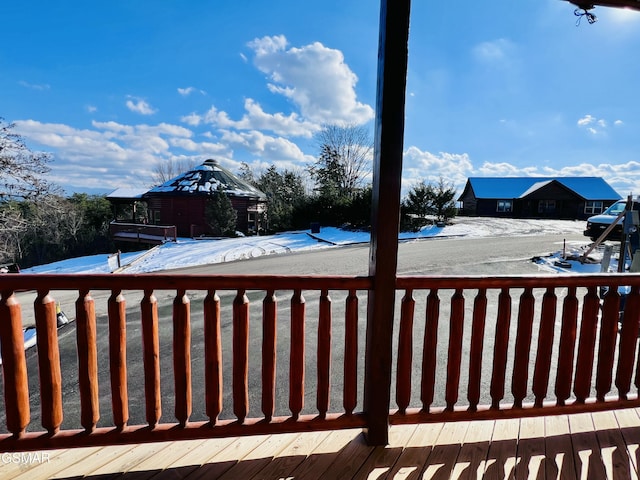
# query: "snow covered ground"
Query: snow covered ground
188,252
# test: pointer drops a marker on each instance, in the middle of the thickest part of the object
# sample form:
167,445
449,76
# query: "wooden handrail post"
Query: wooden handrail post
14,365
151,357
213,356
269,342
297,354
385,215
182,356
87,360
351,353
117,309
240,381
48,361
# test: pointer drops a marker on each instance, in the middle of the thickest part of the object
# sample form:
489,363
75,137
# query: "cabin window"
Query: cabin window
251,221
504,206
593,207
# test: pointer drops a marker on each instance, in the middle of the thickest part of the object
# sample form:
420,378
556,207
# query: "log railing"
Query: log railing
168,357
514,347
231,329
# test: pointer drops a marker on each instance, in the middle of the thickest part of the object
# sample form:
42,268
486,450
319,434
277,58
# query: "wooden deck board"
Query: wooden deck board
599,445
628,423
501,459
559,461
586,449
472,459
614,453
531,449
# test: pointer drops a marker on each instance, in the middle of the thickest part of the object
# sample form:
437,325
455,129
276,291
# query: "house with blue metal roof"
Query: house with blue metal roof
536,197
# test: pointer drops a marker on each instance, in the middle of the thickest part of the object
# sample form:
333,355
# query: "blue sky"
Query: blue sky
494,88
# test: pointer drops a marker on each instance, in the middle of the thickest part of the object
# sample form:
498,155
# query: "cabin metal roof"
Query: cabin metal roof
206,179
589,188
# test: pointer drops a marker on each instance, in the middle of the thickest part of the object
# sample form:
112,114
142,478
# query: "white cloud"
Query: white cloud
456,168
420,165
498,51
314,77
256,118
267,147
185,92
35,86
127,152
140,106
593,125
192,119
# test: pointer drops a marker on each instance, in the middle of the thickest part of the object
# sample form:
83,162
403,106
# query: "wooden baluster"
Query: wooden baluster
351,353
454,357
117,309
269,342
566,349
405,352
628,341
586,345
545,346
87,361
500,348
429,350
477,346
213,356
241,355
296,362
151,357
607,343
182,356
48,361
324,354
523,348
14,365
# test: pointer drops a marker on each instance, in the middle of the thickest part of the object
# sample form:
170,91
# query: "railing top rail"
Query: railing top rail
518,281
166,281
10,282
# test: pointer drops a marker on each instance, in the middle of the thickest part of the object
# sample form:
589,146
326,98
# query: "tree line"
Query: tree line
39,225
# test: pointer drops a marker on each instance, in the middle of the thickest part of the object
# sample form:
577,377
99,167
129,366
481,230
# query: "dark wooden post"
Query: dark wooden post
387,176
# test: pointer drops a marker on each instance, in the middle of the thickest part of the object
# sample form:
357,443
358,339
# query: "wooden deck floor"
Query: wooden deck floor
600,445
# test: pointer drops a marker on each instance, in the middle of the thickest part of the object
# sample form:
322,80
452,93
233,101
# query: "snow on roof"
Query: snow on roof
589,188
127,192
535,186
205,179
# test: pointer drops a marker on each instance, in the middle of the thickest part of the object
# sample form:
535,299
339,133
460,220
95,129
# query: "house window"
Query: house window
251,222
504,206
593,207
545,206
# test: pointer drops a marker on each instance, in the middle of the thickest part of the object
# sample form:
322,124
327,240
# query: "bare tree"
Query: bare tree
165,170
22,171
353,146
13,228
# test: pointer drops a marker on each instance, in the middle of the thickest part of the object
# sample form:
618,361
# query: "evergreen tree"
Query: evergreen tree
426,199
220,214
443,202
285,193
